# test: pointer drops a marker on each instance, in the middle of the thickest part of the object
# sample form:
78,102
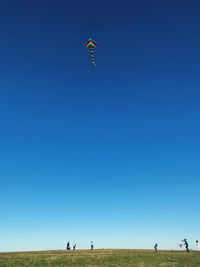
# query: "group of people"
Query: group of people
68,246
74,245
155,246
186,245
180,245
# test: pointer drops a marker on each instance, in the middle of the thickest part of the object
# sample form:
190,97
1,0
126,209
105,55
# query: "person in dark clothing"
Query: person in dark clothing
92,245
155,247
186,244
68,246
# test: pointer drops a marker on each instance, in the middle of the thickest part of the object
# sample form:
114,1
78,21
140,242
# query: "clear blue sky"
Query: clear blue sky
109,154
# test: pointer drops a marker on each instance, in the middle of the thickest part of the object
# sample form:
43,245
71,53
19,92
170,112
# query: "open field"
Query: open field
104,258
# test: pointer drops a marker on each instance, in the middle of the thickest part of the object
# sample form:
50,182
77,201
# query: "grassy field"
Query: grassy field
104,258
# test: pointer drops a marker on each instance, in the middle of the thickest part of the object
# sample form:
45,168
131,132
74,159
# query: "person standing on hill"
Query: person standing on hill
186,244
74,246
68,246
198,245
155,247
92,245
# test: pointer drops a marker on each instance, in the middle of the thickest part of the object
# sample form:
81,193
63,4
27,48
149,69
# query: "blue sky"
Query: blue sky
109,154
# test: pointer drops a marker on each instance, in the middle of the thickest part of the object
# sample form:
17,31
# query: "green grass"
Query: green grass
104,258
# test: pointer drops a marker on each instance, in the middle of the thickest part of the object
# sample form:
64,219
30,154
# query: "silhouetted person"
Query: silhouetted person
92,245
186,244
155,247
74,246
68,246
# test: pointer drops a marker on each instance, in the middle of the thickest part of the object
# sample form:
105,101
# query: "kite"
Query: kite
91,45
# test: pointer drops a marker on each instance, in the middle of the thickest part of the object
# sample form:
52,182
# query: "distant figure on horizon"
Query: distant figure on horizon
74,246
68,246
155,247
92,245
186,244
198,245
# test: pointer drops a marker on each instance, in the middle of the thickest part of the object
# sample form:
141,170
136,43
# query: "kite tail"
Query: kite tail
92,56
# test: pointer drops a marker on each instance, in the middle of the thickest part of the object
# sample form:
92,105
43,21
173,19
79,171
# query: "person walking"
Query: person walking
186,244
155,247
92,245
74,246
